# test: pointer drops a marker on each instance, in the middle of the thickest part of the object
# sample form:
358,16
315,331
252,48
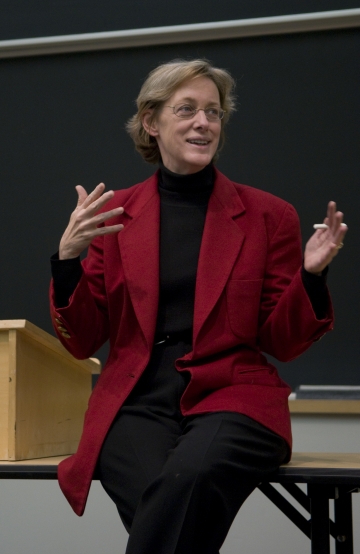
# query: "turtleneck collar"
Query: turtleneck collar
195,183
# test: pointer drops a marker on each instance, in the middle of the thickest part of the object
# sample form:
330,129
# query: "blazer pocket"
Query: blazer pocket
243,305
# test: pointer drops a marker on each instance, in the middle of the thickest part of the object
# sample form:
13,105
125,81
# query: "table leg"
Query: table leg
343,523
320,523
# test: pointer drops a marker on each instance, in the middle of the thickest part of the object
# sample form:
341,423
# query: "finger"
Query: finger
341,233
110,229
337,225
331,209
97,204
82,194
334,219
337,241
105,216
95,195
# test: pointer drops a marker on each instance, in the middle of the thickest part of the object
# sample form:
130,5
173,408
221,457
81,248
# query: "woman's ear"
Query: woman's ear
149,126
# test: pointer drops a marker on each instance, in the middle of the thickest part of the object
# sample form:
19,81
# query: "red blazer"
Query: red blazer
249,299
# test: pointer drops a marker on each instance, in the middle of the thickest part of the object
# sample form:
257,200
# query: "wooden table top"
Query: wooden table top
324,406
319,467
324,460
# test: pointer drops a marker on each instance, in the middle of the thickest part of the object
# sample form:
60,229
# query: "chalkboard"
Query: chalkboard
295,134
43,18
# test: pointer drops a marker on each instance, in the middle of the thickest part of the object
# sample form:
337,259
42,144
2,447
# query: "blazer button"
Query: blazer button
61,328
66,335
58,320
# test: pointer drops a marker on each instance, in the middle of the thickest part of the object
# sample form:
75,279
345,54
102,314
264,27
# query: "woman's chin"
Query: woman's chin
197,163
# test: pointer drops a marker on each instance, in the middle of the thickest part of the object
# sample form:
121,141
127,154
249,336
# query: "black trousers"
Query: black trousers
178,482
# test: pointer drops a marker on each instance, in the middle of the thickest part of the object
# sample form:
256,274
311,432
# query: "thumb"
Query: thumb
82,195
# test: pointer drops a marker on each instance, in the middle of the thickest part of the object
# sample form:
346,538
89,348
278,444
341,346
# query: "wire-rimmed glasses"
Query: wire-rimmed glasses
187,111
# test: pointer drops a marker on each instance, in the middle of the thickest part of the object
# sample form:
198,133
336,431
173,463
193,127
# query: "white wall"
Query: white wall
35,517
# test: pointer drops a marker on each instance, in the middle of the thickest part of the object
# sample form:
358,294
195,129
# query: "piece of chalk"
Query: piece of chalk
324,226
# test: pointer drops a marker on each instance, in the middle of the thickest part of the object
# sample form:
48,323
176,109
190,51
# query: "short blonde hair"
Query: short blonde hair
161,84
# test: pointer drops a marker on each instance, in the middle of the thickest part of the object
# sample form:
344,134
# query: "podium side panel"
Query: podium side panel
4,394
52,397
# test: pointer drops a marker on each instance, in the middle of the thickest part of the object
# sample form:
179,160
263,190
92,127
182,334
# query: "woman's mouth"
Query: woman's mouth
199,142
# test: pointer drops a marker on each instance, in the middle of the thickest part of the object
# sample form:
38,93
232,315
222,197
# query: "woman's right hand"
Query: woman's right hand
84,221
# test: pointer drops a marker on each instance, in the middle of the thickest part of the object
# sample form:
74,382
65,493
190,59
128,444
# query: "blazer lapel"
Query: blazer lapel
220,247
139,247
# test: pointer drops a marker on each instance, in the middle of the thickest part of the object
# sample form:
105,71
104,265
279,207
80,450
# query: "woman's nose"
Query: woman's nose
200,118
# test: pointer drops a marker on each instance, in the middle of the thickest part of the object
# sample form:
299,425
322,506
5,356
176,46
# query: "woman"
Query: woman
191,277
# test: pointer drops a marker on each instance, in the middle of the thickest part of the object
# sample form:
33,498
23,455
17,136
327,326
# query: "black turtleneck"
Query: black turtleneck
183,205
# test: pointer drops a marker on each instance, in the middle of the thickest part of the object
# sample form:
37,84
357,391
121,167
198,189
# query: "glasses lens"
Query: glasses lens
184,110
213,114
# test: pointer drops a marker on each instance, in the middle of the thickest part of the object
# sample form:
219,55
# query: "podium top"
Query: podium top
93,365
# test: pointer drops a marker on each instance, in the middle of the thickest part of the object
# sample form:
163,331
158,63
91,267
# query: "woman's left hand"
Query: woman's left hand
325,244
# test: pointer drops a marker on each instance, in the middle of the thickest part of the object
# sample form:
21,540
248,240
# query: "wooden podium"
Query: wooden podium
44,393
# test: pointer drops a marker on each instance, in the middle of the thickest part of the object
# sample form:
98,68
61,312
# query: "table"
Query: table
327,476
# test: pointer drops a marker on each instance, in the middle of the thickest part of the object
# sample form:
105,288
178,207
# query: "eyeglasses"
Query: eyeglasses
186,111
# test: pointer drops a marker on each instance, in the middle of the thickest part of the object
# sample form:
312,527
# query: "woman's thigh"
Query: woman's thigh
134,453
214,465
222,439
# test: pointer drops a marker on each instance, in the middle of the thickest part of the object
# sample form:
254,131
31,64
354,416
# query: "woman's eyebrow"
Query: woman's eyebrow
190,100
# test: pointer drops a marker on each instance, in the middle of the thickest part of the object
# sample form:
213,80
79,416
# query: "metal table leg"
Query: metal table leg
343,522
320,523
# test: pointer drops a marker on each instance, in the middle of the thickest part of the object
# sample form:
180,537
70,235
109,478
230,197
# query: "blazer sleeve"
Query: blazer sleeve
287,323
82,326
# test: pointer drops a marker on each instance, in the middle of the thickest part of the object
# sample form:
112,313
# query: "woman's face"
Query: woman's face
187,145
